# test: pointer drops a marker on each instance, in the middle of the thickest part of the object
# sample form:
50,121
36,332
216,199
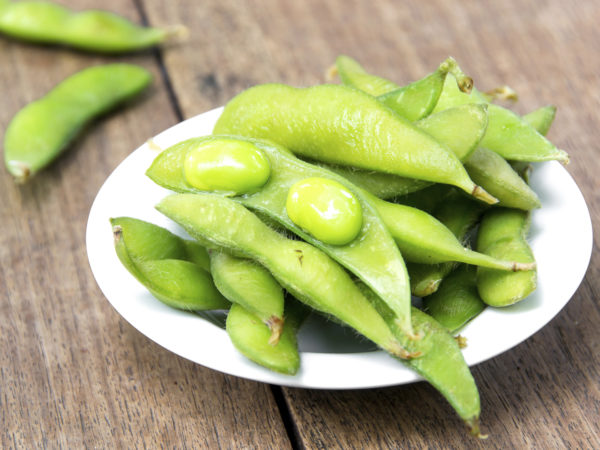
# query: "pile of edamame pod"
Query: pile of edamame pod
346,200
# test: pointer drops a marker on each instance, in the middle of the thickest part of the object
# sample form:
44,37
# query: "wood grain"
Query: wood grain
73,374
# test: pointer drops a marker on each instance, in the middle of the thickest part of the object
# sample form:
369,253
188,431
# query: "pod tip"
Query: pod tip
177,33
331,73
474,430
518,267
19,170
117,233
481,194
502,93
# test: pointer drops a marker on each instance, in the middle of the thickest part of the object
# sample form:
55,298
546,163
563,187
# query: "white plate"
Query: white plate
332,357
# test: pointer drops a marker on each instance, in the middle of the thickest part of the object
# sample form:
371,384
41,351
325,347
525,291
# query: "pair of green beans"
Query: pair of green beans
46,127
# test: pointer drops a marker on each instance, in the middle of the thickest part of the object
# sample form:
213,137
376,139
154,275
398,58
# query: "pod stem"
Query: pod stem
464,82
502,93
483,260
19,170
481,194
474,430
331,73
275,324
176,33
399,351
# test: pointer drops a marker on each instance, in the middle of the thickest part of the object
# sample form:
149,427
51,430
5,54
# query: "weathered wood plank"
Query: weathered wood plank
73,374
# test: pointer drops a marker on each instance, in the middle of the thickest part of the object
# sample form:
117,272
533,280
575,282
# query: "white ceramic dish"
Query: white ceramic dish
332,357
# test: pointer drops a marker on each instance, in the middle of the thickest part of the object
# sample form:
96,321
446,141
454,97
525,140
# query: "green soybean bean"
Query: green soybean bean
325,209
303,270
457,301
252,338
441,363
44,128
338,124
244,282
94,31
372,255
495,174
507,134
460,128
164,264
503,234
541,119
459,214
233,167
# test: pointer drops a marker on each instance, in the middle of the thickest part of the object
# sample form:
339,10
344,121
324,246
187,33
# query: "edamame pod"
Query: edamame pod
495,174
457,301
413,101
541,119
303,270
94,30
244,282
44,128
252,338
353,74
161,262
503,234
424,239
341,125
441,364
372,255
507,134
460,128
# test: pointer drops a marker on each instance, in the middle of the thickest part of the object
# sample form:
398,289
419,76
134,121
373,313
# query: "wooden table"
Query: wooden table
74,374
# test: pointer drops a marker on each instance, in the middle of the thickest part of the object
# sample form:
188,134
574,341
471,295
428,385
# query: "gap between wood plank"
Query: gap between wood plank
157,52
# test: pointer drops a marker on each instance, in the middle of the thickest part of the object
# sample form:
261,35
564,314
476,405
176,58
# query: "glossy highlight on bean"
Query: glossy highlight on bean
325,209
231,166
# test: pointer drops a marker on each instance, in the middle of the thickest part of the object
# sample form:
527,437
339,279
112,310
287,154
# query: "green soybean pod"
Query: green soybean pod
244,282
507,134
503,234
161,261
372,255
44,128
353,74
303,270
460,215
338,124
456,301
413,101
423,239
441,364
495,174
253,338
93,30
541,119
460,128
